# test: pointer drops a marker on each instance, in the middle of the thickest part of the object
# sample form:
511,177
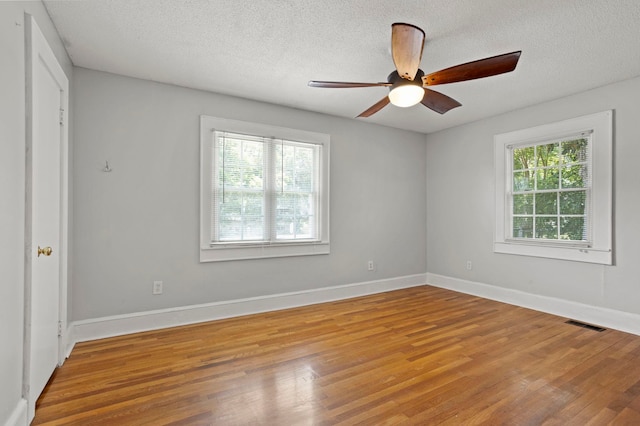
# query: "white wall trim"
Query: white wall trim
68,341
18,416
605,317
117,325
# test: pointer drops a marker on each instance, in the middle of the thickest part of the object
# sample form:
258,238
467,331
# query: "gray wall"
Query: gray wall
12,188
460,205
139,223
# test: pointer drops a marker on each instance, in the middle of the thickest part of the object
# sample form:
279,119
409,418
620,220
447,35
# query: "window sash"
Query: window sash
552,221
275,173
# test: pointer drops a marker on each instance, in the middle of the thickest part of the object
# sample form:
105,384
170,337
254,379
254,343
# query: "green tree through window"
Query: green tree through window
550,190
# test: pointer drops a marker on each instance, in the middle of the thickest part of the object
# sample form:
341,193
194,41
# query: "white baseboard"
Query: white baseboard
18,416
117,325
604,317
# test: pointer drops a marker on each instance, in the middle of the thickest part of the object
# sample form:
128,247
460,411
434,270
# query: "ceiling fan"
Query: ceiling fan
408,84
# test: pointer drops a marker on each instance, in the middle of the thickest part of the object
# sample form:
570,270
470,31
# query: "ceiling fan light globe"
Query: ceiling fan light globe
406,95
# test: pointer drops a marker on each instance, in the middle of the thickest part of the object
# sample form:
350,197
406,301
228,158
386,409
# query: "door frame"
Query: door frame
37,48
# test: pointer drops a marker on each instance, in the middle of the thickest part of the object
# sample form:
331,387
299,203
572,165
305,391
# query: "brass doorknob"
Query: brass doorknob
45,251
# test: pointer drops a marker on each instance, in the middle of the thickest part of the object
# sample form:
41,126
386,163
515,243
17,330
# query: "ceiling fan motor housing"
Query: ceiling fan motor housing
396,80
405,93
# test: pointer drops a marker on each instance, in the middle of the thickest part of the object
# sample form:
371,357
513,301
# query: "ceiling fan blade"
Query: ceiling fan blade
343,84
438,102
407,42
477,69
375,107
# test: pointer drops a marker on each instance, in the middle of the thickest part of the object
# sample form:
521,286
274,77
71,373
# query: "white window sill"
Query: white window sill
262,251
577,254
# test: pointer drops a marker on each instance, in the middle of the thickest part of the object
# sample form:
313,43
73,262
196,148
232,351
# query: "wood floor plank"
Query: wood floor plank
422,355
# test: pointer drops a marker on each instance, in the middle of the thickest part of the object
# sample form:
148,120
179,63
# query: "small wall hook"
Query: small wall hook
107,168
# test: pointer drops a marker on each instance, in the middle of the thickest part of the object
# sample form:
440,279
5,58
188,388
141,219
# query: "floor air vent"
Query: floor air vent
583,325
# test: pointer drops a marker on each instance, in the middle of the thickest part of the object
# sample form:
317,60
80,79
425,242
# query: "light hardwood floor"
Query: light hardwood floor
422,355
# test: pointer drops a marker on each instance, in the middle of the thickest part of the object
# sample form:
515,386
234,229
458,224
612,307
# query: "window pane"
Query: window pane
295,216
523,158
253,204
231,229
304,169
575,151
297,172
547,203
284,227
574,176
572,202
547,179
284,171
547,155
295,188
573,228
229,173
240,164
252,165
239,194
547,228
305,227
253,214
523,181
241,216
523,227
523,204
230,217
285,213
253,228
294,227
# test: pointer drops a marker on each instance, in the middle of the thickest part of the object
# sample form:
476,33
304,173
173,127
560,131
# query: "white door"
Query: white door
47,88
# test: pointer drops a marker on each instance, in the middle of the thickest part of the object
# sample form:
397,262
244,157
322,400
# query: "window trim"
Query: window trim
600,251
221,251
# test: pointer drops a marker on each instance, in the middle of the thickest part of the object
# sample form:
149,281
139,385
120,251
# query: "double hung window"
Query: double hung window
551,193
264,191
553,190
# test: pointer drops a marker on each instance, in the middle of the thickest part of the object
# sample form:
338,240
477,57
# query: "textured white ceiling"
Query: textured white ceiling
269,50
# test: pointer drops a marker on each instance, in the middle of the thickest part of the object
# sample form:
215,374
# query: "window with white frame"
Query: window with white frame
264,191
554,189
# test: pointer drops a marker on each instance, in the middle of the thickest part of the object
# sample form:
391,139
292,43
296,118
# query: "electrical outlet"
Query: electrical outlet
370,265
469,265
157,287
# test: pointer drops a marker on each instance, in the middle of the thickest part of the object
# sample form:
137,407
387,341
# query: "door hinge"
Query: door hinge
61,116
59,328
